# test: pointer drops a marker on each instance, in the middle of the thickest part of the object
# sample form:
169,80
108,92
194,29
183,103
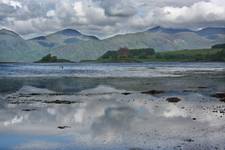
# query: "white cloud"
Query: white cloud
51,13
13,3
78,7
106,17
200,11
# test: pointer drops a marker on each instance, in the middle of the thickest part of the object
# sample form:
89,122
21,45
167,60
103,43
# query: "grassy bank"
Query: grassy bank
197,55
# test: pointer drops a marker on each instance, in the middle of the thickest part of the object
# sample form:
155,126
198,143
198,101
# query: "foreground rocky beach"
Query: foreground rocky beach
181,108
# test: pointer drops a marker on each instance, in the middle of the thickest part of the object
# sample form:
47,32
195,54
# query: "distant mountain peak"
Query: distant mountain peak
8,32
155,29
168,30
207,32
211,30
69,32
39,38
4,30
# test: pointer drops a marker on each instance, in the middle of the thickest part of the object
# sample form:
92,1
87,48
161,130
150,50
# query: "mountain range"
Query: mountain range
72,45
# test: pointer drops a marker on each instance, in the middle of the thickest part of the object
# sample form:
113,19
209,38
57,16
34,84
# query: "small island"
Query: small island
52,59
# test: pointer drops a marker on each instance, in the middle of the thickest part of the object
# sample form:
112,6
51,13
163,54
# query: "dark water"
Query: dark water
84,106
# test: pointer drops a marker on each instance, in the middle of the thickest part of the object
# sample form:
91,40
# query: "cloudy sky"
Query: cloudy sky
105,18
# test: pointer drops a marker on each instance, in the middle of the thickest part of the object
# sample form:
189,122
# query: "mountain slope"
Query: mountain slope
64,37
13,48
168,30
211,31
72,45
157,40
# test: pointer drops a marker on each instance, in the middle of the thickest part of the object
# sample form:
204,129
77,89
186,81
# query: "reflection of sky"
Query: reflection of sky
26,141
106,118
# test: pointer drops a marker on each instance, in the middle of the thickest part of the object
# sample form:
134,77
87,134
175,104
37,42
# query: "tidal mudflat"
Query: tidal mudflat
112,106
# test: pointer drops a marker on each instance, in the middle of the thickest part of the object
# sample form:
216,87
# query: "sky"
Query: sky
105,18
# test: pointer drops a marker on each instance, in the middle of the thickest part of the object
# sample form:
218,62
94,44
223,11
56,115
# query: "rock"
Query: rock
56,94
28,109
193,118
219,95
173,99
202,87
189,90
153,92
188,140
126,93
61,102
63,127
135,148
222,99
222,111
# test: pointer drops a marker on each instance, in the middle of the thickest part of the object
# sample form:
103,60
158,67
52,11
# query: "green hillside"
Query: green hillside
203,55
219,46
191,55
72,45
127,55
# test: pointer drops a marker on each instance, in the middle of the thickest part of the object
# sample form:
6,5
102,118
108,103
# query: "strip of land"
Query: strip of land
214,54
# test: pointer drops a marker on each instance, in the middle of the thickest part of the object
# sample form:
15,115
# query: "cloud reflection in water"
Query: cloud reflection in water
106,118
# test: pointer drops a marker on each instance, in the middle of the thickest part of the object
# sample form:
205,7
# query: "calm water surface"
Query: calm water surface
102,106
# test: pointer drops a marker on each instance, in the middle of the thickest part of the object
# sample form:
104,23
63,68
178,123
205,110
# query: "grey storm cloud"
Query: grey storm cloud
6,10
106,17
118,8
